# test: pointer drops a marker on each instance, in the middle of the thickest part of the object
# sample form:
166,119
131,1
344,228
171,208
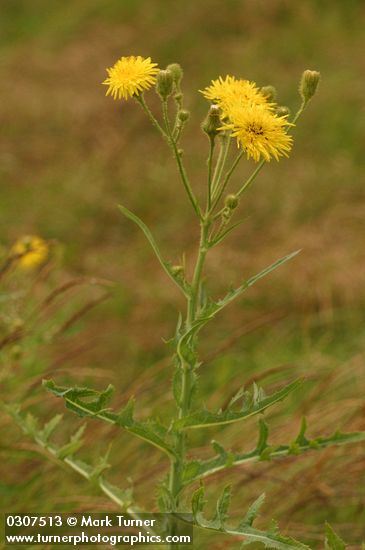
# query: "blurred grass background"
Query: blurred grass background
69,155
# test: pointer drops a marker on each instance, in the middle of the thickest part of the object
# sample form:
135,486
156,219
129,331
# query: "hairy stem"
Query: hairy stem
222,157
227,177
300,111
177,464
210,161
178,154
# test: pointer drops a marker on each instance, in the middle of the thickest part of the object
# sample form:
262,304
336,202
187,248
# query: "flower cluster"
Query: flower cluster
250,117
245,111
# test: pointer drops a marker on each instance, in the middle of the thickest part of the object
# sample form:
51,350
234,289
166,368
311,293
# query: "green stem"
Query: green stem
210,161
140,99
177,154
300,111
251,178
222,157
187,369
226,179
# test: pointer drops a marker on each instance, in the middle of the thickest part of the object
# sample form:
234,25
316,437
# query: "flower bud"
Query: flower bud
269,92
231,201
282,110
212,122
308,84
183,115
176,71
164,84
177,270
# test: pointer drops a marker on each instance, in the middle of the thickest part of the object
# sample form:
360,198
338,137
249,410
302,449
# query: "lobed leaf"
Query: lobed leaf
122,497
196,469
257,404
253,510
271,538
89,402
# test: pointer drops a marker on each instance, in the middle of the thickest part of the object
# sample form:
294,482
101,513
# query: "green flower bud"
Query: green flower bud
177,270
231,201
164,84
308,84
282,110
212,122
269,92
176,71
183,115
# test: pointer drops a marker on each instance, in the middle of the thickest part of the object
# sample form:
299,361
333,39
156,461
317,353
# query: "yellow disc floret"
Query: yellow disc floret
30,252
130,76
259,132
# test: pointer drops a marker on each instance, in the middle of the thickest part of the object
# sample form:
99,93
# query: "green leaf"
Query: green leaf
165,265
50,427
271,538
301,439
73,445
198,502
222,507
211,309
88,402
253,511
333,541
166,501
233,294
198,469
263,437
122,497
256,405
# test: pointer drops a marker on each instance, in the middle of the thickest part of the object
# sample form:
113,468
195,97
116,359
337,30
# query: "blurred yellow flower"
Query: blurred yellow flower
30,252
230,93
260,132
130,76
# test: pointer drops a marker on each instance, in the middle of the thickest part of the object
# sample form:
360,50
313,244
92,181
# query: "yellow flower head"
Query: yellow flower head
230,93
130,76
30,252
260,132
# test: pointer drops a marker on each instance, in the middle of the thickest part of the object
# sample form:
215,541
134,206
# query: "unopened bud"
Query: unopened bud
176,71
282,110
183,115
177,270
212,121
231,201
269,92
164,84
308,84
